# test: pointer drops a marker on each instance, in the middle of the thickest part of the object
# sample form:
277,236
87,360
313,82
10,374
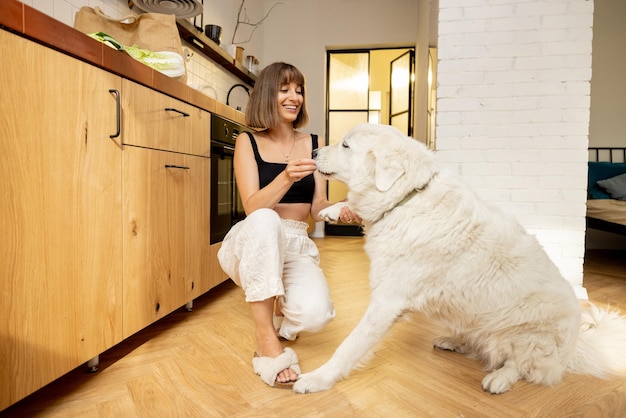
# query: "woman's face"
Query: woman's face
290,99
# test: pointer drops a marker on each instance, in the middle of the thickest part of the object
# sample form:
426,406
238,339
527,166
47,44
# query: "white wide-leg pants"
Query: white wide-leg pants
272,257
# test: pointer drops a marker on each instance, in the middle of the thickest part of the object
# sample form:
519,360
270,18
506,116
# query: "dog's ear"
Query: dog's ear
387,170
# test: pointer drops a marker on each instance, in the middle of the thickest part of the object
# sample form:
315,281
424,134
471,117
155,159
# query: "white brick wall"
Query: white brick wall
513,112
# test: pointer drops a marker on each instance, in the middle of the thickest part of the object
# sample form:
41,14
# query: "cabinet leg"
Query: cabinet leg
189,306
92,365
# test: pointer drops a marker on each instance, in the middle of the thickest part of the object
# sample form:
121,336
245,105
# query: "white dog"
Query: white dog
435,247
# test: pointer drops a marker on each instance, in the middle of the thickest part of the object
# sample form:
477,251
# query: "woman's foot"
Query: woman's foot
269,368
269,346
274,364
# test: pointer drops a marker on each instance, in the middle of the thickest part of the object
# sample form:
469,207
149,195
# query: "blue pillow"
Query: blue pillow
601,171
616,186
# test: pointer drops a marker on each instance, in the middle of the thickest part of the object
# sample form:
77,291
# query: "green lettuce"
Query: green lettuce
169,63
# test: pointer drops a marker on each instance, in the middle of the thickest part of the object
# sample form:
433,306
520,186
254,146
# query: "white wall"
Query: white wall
513,112
608,86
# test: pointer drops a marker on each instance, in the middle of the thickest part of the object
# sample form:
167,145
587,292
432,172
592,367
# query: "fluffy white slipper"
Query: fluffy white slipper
269,367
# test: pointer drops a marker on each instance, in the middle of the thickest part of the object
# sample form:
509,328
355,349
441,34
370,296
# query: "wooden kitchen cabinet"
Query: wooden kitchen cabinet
216,273
104,212
157,121
166,205
60,215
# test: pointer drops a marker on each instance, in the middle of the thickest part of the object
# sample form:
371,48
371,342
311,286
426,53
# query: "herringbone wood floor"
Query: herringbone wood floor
198,364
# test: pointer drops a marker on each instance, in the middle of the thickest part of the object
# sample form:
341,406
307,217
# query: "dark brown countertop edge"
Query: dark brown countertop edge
32,24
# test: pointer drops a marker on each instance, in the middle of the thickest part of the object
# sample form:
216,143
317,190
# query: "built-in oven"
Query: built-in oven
226,207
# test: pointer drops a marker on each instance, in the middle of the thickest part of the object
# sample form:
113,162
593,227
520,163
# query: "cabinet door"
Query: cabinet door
198,224
200,135
154,120
164,205
60,216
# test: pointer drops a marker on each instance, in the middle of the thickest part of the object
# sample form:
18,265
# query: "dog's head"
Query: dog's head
377,162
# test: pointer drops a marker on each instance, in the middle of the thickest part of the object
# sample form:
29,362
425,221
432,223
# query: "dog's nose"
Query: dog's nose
314,153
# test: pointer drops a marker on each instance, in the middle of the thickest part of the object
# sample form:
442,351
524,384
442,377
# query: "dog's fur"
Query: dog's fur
435,247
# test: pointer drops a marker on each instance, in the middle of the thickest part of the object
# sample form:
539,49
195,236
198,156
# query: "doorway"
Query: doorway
366,85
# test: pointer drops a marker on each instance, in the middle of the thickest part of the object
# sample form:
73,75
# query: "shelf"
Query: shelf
198,41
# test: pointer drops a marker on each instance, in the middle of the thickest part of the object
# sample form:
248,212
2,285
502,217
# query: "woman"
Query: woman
269,253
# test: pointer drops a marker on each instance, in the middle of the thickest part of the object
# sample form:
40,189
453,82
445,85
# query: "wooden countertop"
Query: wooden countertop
39,27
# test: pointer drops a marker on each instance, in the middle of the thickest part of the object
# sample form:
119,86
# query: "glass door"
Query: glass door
358,90
348,97
401,88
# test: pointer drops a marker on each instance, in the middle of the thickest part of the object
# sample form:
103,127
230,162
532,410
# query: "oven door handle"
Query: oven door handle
222,149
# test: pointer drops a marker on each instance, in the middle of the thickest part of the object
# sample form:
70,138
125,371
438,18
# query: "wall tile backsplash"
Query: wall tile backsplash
203,74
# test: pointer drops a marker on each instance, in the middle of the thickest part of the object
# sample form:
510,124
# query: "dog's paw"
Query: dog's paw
500,381
313,382
332,212
450,344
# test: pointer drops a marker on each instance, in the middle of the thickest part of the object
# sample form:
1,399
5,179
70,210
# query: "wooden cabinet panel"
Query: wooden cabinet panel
165,203
200,132
154,120
197,225
216,273
60,216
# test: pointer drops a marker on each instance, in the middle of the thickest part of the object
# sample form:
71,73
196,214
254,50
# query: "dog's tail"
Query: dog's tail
601,347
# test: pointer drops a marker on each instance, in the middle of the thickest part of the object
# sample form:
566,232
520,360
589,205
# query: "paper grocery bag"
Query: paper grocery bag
151,31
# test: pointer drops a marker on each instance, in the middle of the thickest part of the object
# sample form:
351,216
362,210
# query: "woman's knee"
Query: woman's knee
262,227
315,316
264,217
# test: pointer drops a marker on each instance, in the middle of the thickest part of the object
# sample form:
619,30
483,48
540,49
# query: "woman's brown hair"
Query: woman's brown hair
262,110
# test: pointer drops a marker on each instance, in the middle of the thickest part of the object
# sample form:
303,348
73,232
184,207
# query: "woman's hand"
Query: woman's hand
347,216
298,169
336,212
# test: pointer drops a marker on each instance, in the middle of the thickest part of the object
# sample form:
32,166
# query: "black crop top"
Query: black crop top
300,191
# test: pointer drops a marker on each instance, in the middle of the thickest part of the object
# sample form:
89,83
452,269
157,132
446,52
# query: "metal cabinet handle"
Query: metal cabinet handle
176,166
117,113
171,109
